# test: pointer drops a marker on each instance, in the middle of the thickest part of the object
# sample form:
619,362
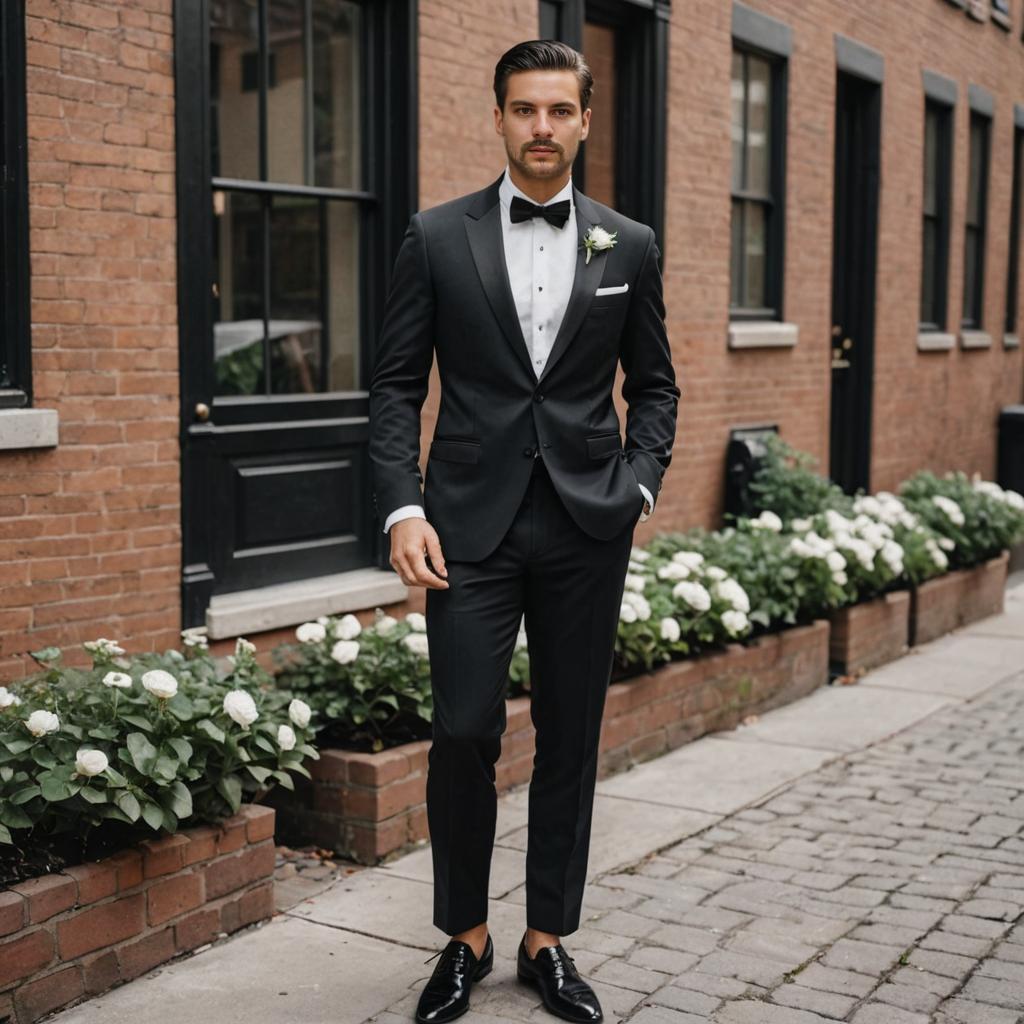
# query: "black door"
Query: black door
854,254
295,183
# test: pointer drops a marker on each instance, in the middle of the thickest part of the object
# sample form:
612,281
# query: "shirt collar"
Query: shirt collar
508,188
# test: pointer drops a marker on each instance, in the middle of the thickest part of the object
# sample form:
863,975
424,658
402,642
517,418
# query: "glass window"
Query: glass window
287,157
1013,263
974,228
938,154
756,230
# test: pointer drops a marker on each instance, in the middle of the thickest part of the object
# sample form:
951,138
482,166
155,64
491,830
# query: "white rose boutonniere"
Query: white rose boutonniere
597,240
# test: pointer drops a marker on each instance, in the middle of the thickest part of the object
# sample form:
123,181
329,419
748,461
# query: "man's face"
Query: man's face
542,123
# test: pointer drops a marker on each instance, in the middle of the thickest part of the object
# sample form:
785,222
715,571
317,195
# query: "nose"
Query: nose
543,127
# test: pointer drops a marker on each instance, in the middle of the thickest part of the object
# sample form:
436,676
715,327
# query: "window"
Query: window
15,372
974,230
1013,263
938,155
757,188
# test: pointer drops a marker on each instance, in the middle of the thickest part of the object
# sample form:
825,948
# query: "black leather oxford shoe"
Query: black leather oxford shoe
553,973
446,994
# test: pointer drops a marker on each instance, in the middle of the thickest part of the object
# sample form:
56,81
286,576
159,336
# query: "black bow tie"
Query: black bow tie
554,213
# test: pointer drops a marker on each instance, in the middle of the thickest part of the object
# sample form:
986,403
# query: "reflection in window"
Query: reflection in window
286,141
938,152
974,228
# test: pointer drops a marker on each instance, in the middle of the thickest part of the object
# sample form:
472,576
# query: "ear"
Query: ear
585,119
498,120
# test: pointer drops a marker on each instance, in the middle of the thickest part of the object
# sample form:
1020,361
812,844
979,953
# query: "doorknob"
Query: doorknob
202,412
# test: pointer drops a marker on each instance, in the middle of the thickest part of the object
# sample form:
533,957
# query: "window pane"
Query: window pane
974,175
337,94
758,119
237,294
736,255
736,129
343,295
234,89
753,254
286,99
928,273
931,129
599,149
296,294
970,275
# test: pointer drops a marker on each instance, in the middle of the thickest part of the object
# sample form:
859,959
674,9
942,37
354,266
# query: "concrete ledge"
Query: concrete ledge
28,428
1011,341
762,334
288,604
935,341
975,339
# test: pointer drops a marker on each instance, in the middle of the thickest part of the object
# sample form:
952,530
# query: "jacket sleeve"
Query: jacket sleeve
649,387
401,377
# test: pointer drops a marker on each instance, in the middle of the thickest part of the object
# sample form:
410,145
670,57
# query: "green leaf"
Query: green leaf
143,752
45,758
5,835
129,805
54,789
92,796
259,774
139,721
230,787
22,796
181,707
170,820
181,747
15,817
16,746
207,727
285,779
47,654
153,815
264,744
181,800
115,777
166,768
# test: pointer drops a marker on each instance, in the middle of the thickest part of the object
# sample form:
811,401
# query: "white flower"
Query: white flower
160,683
767,520
691,559
839,577
670,630
729,590
417,643
8,699
952,510
627,613
195,636
735,622
416,622
635,582
347,628
835,561
240,707
521,640
715,572
90,762
39,723
300,713
938,556
639,604
946,543
121,680
243,646
104,647
800,525
639,554
597,239
892,555
673,571
385,624
323,620
286,737
345,651
310,633
693,594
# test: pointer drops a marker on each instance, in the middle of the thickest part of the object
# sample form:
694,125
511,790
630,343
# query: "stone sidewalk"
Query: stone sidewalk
857,855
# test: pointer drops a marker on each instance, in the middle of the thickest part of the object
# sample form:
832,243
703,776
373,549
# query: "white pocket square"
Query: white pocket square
615,289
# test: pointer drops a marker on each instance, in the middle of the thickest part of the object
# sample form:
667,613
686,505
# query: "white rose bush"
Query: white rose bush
140,744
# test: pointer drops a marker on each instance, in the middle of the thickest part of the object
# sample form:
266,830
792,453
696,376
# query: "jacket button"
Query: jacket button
538,397
528,452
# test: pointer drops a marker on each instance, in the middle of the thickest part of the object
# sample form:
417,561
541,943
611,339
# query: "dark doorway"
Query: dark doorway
854,257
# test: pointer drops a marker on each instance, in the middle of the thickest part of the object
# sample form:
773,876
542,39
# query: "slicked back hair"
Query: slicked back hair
542,55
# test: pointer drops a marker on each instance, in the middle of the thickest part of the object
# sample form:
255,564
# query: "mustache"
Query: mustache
543,145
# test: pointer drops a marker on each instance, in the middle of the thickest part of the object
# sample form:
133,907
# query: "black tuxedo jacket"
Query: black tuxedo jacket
450,294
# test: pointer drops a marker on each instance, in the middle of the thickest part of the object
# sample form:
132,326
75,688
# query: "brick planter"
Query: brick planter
79,932
369,805
957,598
869,633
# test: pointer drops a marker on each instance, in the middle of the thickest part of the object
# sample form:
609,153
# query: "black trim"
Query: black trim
15,271
974,304
752,28
857,59
942,217
1013,263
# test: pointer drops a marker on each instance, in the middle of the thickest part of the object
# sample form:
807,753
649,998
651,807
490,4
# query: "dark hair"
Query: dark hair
542,55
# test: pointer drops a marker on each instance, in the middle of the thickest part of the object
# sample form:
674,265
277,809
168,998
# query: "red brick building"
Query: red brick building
202,200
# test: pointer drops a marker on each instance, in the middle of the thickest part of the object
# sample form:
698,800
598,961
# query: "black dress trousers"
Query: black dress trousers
569,586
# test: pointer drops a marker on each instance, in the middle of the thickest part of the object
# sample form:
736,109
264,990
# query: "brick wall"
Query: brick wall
73,934
89,531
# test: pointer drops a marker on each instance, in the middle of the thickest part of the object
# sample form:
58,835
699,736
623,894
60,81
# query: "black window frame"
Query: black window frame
15,327
942,218
973,318
1013,261
775,199
390,127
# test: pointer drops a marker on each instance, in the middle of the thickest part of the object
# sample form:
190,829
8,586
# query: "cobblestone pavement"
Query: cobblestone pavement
884,888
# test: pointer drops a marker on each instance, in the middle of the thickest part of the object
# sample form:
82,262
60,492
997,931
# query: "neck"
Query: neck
540,190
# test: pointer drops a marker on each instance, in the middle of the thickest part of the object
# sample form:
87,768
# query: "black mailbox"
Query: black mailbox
744,453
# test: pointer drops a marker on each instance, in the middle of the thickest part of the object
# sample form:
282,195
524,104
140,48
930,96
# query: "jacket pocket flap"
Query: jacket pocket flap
455,451
603,444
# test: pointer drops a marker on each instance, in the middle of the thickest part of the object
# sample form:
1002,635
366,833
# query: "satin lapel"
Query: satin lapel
586,281
483,229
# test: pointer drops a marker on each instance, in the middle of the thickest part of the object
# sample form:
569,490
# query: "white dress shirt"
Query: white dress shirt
541,262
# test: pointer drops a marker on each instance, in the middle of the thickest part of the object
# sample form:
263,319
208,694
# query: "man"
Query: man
530,294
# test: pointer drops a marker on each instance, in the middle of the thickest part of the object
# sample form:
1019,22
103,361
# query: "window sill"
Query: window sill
28,428
975,339
935,341
288,604
1000,19
762,334
1011,341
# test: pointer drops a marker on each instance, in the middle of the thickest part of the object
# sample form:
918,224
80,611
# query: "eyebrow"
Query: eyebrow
530,103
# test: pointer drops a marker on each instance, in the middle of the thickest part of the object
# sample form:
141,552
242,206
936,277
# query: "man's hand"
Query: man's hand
409,538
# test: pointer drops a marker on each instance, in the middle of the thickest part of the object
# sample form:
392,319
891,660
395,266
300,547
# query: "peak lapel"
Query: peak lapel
483,229
586,281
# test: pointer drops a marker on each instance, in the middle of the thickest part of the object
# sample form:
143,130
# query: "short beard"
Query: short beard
528,170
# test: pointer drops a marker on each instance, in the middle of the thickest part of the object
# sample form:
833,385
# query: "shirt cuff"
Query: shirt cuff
650,500
405,512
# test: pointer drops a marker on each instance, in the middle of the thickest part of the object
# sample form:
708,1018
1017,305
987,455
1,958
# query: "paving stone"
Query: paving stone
864,957
765,1013
995,990
665,1015
965,1011
800,997
907,997
622,922
686,999
627,975
657,958
746,968
828,979
882,1013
